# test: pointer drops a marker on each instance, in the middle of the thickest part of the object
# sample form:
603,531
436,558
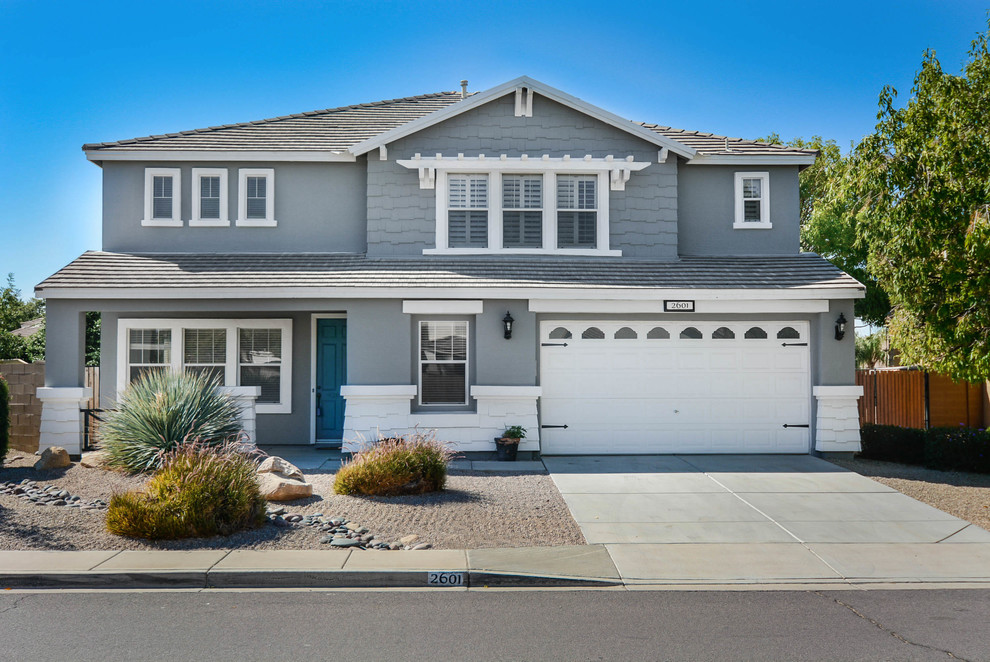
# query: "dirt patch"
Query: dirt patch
477,510
965,495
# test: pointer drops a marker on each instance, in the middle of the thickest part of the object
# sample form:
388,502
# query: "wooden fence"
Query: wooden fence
917,399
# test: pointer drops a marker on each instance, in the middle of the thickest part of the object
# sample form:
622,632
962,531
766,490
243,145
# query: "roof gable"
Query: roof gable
542,89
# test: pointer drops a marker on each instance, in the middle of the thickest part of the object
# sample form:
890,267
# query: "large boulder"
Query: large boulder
94,459
54,457
282,481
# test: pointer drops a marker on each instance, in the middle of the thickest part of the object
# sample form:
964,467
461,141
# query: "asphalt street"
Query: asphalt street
496,625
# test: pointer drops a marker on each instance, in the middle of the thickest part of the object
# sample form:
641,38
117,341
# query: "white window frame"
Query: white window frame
740,223
232,364
149,219
468,208
612,175
467,362
597,210
269,220
542,209
197,220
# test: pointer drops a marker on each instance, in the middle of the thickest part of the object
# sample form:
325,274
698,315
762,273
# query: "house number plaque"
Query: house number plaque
671,306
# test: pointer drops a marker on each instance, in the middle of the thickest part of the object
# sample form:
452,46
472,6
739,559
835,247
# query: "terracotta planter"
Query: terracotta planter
506,449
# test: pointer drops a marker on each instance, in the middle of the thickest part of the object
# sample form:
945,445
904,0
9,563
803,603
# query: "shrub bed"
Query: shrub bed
199,491
948,449
159,411
412,464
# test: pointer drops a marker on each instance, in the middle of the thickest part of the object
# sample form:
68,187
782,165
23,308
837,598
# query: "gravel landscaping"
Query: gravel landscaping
477,510
965,495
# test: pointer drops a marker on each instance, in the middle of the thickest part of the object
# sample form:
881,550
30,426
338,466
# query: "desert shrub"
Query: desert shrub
412,464
161,410
958,449
4,419
893,444
199,491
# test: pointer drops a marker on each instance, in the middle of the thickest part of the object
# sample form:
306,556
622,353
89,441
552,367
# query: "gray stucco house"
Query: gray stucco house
355,270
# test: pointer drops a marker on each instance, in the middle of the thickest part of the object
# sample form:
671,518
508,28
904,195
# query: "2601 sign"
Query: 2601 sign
681,306
445,578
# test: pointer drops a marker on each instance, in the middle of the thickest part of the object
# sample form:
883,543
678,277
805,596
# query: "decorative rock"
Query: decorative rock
58,502
276,511
54,457
344,542
395,545
276,465
94,459
422,545
282,481
408,540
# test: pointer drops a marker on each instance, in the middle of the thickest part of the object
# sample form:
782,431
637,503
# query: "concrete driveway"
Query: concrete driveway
761,518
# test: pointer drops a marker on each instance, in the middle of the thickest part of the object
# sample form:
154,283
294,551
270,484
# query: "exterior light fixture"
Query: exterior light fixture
840,327
507,325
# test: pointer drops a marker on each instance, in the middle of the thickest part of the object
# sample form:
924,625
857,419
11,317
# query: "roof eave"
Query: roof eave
323,156
753,159
554,94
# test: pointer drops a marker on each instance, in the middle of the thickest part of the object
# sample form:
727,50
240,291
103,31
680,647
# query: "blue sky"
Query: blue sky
72,73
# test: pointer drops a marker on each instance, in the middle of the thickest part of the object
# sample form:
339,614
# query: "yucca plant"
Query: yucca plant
200,491
411,464
161,410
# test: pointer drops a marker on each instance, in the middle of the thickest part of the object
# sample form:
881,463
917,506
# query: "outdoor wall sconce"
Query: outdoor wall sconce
840,327
507,325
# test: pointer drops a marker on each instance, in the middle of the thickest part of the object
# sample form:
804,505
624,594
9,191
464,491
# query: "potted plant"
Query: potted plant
507,445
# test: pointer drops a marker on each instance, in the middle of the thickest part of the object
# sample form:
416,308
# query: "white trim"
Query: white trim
232,365
756,159
197,200
509,87
523,165
507,392
360,391
822,392
574,252
218,155
149,189
242,219
467,362
701,306
312,367
739,222
559,293
442,307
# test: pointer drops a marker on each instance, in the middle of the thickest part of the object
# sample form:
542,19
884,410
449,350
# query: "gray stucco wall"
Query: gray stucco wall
706,211
318,206
402,216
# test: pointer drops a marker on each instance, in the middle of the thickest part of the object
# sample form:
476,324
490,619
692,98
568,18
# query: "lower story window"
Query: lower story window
443,363
235,352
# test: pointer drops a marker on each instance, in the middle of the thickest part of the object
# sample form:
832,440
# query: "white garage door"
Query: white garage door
675,387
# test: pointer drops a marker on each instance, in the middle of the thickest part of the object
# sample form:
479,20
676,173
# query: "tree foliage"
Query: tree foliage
922,185
13,312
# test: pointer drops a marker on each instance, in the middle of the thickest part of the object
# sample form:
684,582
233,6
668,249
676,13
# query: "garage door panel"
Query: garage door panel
642,395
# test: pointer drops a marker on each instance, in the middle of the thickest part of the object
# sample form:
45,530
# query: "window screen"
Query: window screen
205,352
522,211
162,196
148,349
257,197
752,200
467,211
260,361
443,363
209,197
577,211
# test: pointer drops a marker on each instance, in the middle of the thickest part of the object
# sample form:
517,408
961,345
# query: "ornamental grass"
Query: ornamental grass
410,464
161,410
200,491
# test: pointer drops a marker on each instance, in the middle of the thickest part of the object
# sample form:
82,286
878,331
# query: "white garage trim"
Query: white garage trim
678,385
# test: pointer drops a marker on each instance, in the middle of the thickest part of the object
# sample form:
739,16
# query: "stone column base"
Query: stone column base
837,423
246,398
61,418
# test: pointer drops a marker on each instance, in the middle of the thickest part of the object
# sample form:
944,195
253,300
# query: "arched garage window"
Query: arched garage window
755,333
593,333
691,333
658,333
625,333
560,333
723,333
788,332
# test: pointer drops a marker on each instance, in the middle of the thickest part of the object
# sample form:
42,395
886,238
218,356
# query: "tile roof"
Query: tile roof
252,271
332,129
337,129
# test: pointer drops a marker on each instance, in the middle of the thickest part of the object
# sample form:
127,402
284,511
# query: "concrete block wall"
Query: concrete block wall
25,408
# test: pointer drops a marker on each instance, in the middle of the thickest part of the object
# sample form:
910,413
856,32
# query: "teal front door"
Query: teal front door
331,373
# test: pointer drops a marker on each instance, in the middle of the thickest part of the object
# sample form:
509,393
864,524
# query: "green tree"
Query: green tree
828,221
14,311
922,185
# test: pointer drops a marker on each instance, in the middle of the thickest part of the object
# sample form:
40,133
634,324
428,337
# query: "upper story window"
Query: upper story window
522,211
256,197
523,205
162,199
752,200
209,204
577,211
467,211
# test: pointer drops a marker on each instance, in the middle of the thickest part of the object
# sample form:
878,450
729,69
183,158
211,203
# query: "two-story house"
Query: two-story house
466,262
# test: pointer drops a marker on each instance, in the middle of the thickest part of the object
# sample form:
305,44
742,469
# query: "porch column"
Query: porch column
837,423
64,392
